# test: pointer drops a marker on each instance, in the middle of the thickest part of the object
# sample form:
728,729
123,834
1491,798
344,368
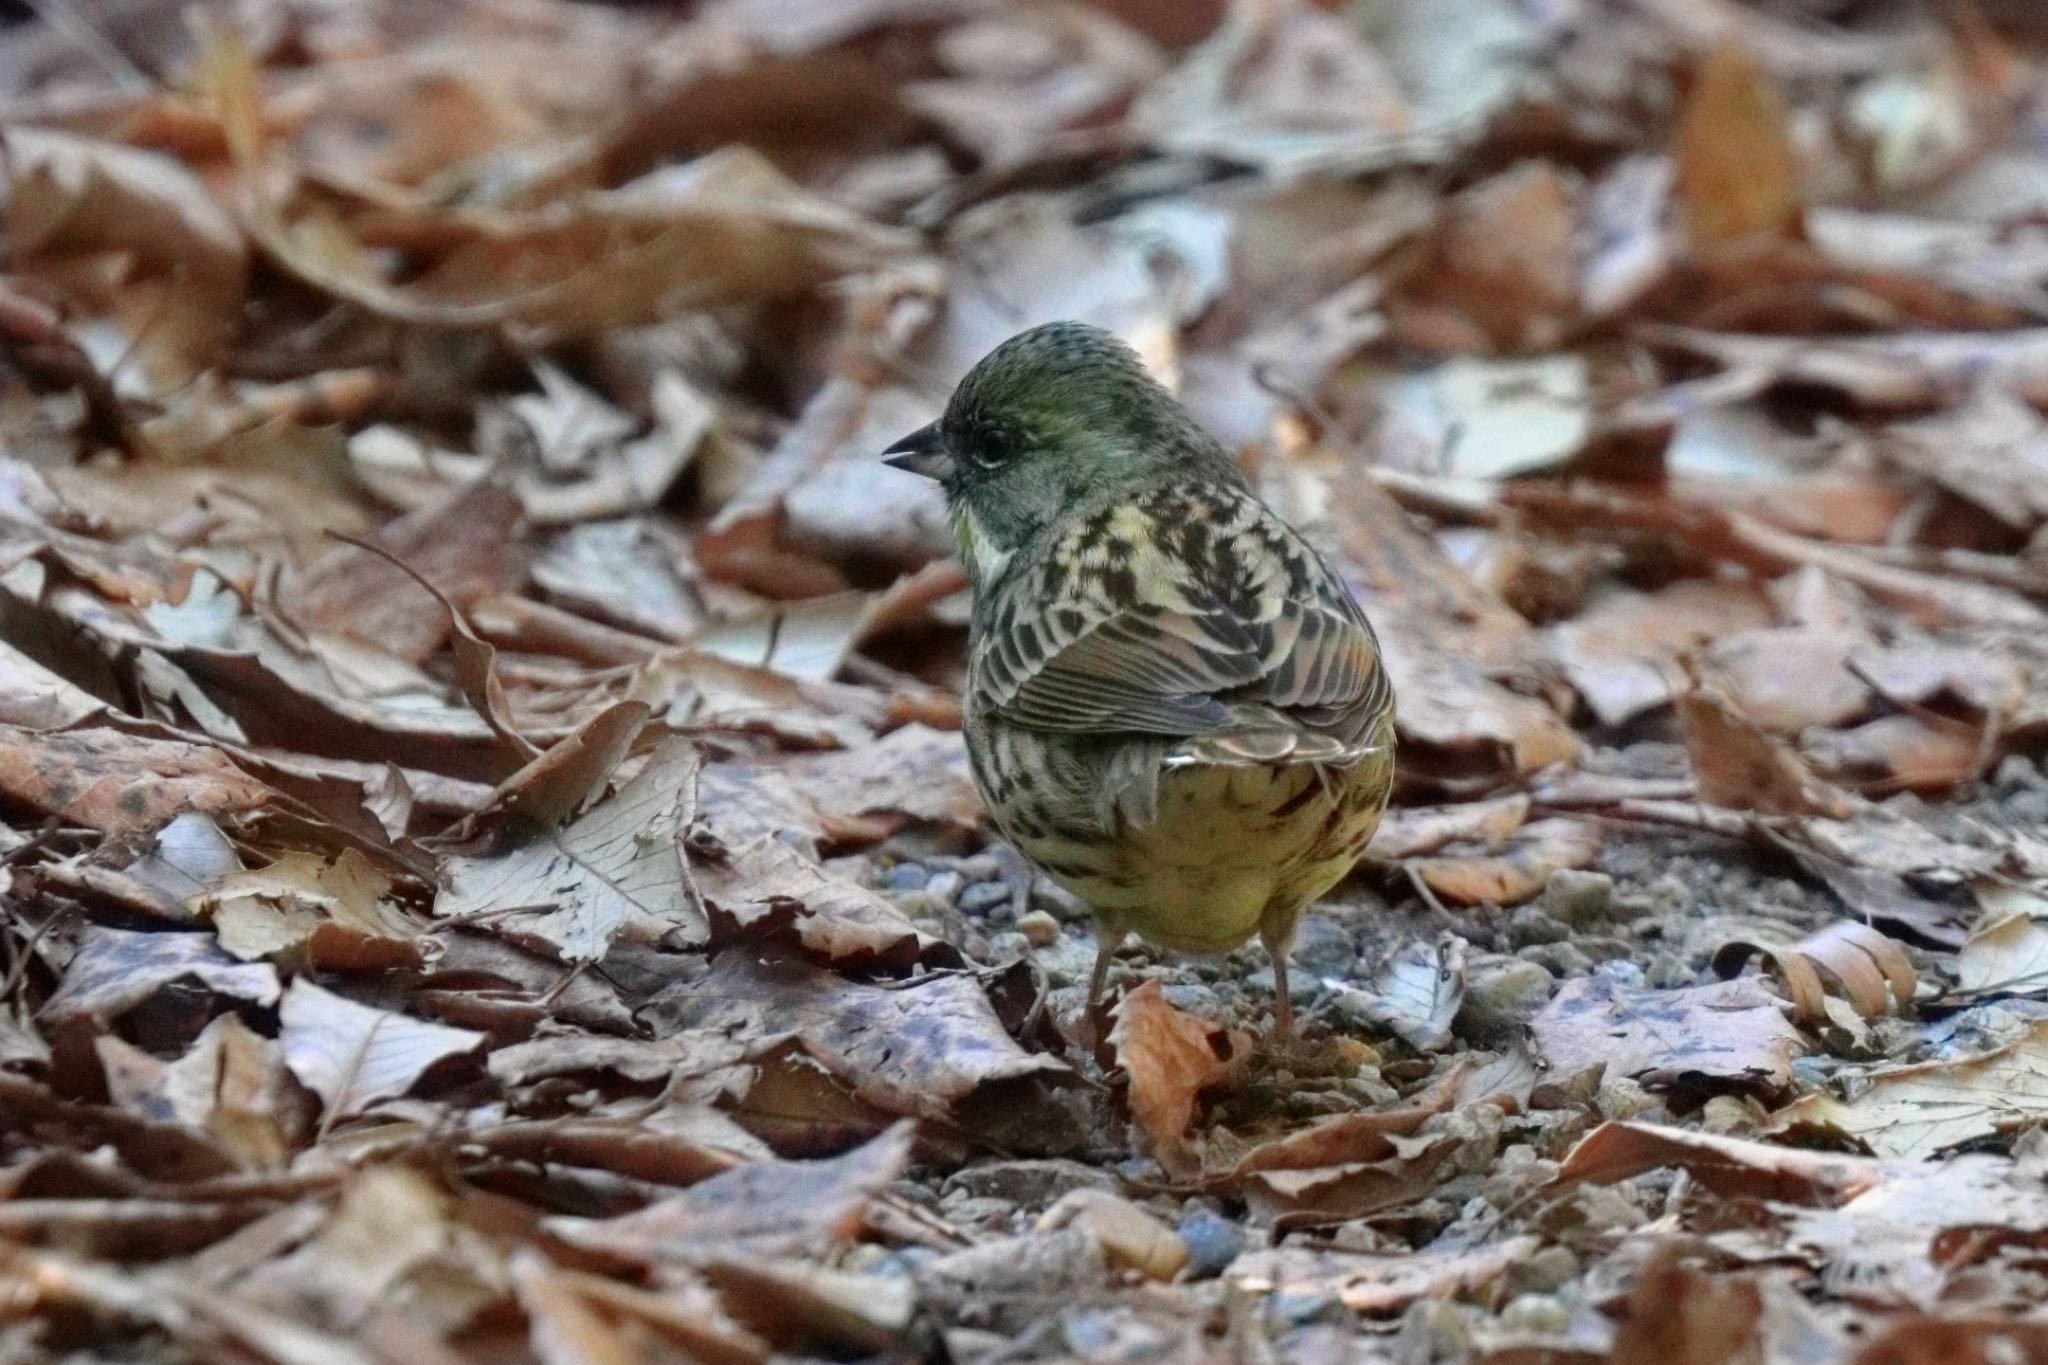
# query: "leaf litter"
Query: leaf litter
487,864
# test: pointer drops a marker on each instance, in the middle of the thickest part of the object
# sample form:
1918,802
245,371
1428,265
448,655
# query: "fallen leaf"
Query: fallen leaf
1378,1286
1737,175
334,913
462,542
919,1049
1170,1057
766,1208
1731,1166
1730,1034
1416,992
352,1055
1518,871
1916,1111
2007,953
575,887
121,783
1741,767
1871,971
114,970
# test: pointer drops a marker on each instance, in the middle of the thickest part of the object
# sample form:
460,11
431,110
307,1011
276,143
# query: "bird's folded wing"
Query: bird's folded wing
1259,636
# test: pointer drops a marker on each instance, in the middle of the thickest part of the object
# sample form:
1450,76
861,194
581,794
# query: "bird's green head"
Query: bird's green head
1060,417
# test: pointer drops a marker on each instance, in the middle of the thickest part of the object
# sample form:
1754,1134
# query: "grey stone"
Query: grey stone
1501,995
1559,959
1324,947
1213,1242
1032,1184
1578,898
906,877
1532,924
984,898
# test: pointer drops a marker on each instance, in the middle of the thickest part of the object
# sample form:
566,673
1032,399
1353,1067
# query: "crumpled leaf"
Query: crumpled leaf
2007,953
1416,992
1736,171
121,783
759,1207
115,970
1871,971
334,912
1170,1057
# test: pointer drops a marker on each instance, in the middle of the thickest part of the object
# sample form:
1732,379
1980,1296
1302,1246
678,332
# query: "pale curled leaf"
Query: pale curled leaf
1872,972
574,887
1170,1057
353,1055
1416,992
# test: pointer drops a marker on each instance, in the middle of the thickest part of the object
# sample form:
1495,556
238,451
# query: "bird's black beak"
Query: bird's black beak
921,452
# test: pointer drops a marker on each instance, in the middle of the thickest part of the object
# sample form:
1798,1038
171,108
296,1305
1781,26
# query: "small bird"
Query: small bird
1174,708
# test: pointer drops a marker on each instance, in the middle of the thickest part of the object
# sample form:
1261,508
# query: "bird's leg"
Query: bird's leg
1277,933
1108,938
1107,941
1283,1003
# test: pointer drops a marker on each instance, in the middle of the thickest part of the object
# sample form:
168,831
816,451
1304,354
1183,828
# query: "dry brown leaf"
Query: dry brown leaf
114,970
1740,767
1727,1165
764,1208
333,915
574,887
1518,871
1737,175
1170,1057
463,542
121,783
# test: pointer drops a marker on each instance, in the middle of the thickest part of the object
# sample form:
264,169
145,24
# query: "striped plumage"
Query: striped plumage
1174,707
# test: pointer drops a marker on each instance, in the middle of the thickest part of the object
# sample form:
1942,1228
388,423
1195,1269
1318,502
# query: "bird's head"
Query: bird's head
1052,420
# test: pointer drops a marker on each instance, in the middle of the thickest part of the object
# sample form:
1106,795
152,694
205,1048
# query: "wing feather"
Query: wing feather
1190,614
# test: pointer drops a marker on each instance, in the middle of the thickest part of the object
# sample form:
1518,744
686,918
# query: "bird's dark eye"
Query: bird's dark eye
987,444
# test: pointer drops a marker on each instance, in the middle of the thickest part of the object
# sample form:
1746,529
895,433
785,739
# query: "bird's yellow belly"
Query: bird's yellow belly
1232,851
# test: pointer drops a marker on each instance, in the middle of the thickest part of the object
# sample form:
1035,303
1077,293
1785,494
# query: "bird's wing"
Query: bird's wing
1191,613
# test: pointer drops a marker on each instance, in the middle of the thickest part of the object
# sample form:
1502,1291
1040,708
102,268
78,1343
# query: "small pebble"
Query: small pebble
1532,924
1623,1097
1213,1242
1727,1114
907,877
1542,1314
1545,1270
1501,995
984,898
1578,898
1324,947
1560,959
1040,930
